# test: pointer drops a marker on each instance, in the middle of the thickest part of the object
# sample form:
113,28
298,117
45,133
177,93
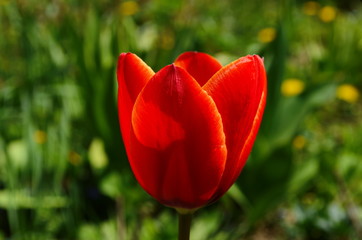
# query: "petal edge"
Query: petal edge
132,76
200,66
239,91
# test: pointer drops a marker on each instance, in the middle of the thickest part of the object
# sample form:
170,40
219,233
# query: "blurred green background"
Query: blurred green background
63,170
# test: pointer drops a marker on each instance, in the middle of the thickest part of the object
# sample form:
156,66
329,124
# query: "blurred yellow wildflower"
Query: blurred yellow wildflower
167,40
348,93
4,2
327,14
40,136
75,158
267,35
128,8
310,8
309,198
292,87
299,142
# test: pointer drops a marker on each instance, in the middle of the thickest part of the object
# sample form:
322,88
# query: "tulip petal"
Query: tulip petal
132,76
239,91
178,148
201,66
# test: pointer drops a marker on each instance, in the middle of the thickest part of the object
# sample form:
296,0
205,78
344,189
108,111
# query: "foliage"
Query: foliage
63,170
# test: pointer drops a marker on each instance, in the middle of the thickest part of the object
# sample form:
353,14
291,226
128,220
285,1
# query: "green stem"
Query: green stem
184,225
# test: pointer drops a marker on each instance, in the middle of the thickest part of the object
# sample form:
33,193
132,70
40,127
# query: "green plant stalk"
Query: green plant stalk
184,225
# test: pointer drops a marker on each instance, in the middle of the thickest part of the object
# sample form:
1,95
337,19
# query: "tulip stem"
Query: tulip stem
184,225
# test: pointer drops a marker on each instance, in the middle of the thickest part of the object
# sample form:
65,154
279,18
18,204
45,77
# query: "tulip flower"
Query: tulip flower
189,128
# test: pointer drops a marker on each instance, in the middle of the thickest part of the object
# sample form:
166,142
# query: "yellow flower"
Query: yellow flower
327,14
292,87
4,2
267,35
348,93
167,40
310,8
75,158
40,136
309,198
128,8
299,142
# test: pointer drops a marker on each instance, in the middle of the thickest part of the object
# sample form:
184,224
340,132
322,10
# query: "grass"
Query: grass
63,169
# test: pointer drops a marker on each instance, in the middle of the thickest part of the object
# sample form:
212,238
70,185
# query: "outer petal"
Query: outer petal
239,91
178,148
132,76
200,65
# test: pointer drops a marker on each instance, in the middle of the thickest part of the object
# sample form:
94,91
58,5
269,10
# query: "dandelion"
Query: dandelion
310,8
292,87
327,14
74,158
309,198
348,93
167,40
299,142
40,136
4,2
128,8
267,35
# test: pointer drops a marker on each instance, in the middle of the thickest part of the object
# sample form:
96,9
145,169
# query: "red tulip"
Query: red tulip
189,128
